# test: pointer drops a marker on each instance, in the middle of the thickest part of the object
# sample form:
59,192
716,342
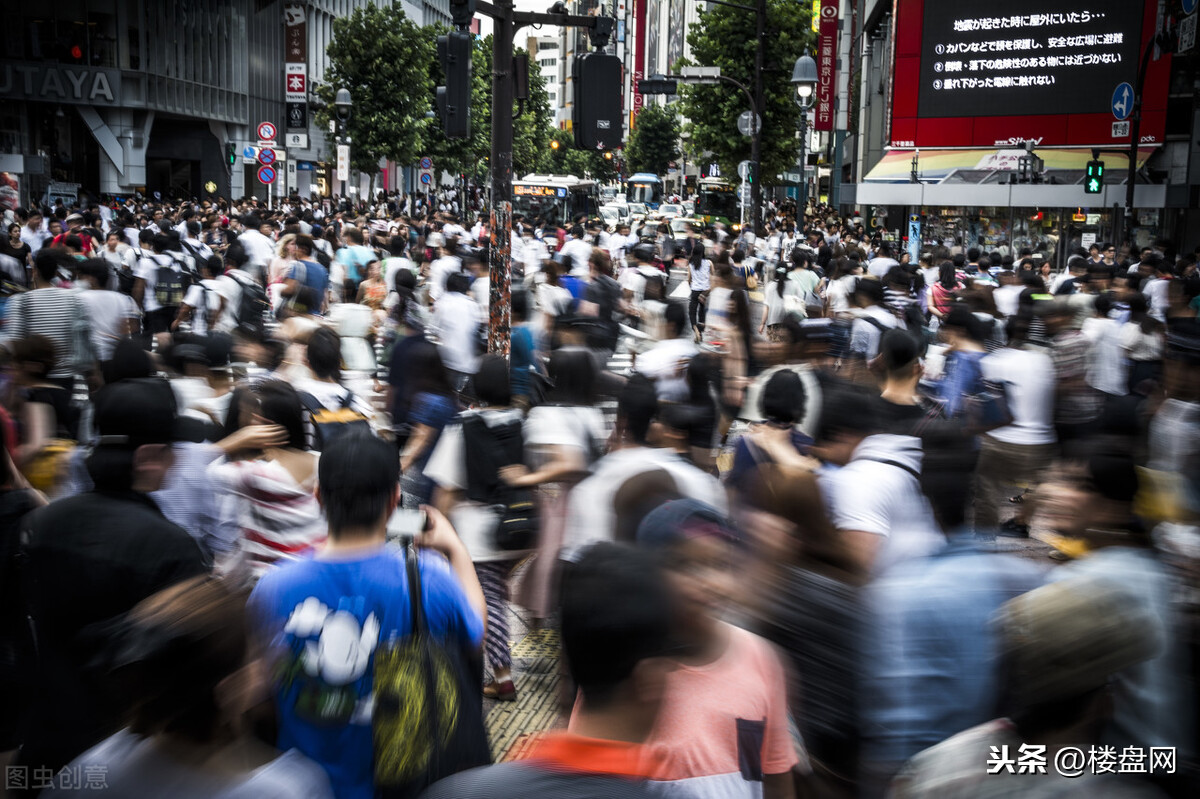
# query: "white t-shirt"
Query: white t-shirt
591,516
456,319
1029,388
666,364
701,278
1107,369
865,336
473,521
147,270
439,270
1008,299
108,312
879,492
228,287
878,267
203,298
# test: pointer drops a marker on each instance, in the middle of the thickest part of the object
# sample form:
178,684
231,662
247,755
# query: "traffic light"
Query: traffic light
230,153
658,84
554,144
1094,182
597,116
751,171
454,99
461,11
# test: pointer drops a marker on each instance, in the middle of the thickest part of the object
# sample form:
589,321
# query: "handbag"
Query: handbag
428,718
988,408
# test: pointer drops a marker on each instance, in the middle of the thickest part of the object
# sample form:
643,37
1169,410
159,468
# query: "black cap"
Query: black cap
132,413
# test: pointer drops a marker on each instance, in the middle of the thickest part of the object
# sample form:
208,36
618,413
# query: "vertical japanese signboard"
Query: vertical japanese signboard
295,49
827,40
639,57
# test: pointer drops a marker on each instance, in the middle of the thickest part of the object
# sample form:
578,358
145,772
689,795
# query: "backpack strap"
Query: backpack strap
898,465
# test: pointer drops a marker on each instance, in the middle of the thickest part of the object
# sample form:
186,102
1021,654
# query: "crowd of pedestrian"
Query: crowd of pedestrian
838,524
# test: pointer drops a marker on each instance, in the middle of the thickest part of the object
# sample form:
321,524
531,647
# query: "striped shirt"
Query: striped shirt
280,519
49,312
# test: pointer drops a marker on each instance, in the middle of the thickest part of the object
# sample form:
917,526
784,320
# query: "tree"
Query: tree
654,142
725,38
382,57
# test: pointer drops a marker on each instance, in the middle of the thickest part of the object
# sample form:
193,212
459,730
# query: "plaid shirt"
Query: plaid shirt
1075,400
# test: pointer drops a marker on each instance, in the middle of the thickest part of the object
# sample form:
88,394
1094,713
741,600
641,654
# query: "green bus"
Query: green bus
717,201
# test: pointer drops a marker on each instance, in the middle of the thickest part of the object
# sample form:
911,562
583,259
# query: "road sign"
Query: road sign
426,178
700,72
266,174
748,123
1187,32
343,162
266,156
1188,6
266,131
744,193
249,151
1122,101
426,163
298,141
1120,130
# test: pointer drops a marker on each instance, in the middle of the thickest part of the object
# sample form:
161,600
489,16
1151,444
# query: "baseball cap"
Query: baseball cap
682,519
133,413
1069,637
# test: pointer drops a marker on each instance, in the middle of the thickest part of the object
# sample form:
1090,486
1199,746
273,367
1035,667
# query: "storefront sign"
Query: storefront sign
827,41
295,56
59,84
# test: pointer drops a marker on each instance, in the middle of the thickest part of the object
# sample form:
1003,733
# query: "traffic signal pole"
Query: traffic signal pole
507,20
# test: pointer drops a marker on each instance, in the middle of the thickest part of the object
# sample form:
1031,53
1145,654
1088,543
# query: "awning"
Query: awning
935,166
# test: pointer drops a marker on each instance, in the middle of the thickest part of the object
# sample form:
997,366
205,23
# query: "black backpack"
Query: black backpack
491,448
252,306
171,284
328,425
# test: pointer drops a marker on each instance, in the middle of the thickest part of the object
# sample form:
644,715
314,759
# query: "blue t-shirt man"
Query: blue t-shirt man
355,258
313,280
326,621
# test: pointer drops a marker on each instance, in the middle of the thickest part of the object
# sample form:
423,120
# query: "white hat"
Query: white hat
434,240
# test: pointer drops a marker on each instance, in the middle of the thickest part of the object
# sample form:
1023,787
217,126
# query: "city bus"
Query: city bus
644,188
716,201
556,199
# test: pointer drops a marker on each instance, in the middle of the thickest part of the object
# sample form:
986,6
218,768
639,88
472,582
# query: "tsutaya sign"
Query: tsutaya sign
59,84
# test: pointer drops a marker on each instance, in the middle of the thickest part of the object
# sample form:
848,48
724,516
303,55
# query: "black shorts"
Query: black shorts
160,321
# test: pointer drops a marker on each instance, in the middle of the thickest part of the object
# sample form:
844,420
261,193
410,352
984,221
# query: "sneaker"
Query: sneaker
500,691
1014,529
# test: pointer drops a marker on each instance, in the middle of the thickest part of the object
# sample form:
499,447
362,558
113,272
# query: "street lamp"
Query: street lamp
804,78
341,108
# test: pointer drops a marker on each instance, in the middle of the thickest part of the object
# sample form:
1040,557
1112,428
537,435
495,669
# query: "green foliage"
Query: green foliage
382,57
654,142
725,37
570,160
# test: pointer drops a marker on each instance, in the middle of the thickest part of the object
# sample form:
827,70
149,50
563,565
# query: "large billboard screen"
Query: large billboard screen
977,73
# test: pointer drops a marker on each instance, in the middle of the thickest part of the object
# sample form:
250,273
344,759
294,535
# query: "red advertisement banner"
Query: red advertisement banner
827,41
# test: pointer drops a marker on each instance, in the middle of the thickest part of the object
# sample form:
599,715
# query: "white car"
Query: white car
620,209
610,215
638,211
670,210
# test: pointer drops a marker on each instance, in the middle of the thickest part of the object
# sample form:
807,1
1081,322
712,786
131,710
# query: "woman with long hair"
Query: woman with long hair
269,475
942,293
776,305
434,405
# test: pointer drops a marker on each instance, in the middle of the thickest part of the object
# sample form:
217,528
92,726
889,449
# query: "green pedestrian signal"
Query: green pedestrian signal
1093,183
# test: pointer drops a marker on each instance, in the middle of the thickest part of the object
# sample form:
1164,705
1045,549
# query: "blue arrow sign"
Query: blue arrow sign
1122,101
1189,6
249,152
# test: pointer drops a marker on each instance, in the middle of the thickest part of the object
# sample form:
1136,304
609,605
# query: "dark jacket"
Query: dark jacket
84,562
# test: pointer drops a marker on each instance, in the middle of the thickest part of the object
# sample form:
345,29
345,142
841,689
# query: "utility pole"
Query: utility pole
507,20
